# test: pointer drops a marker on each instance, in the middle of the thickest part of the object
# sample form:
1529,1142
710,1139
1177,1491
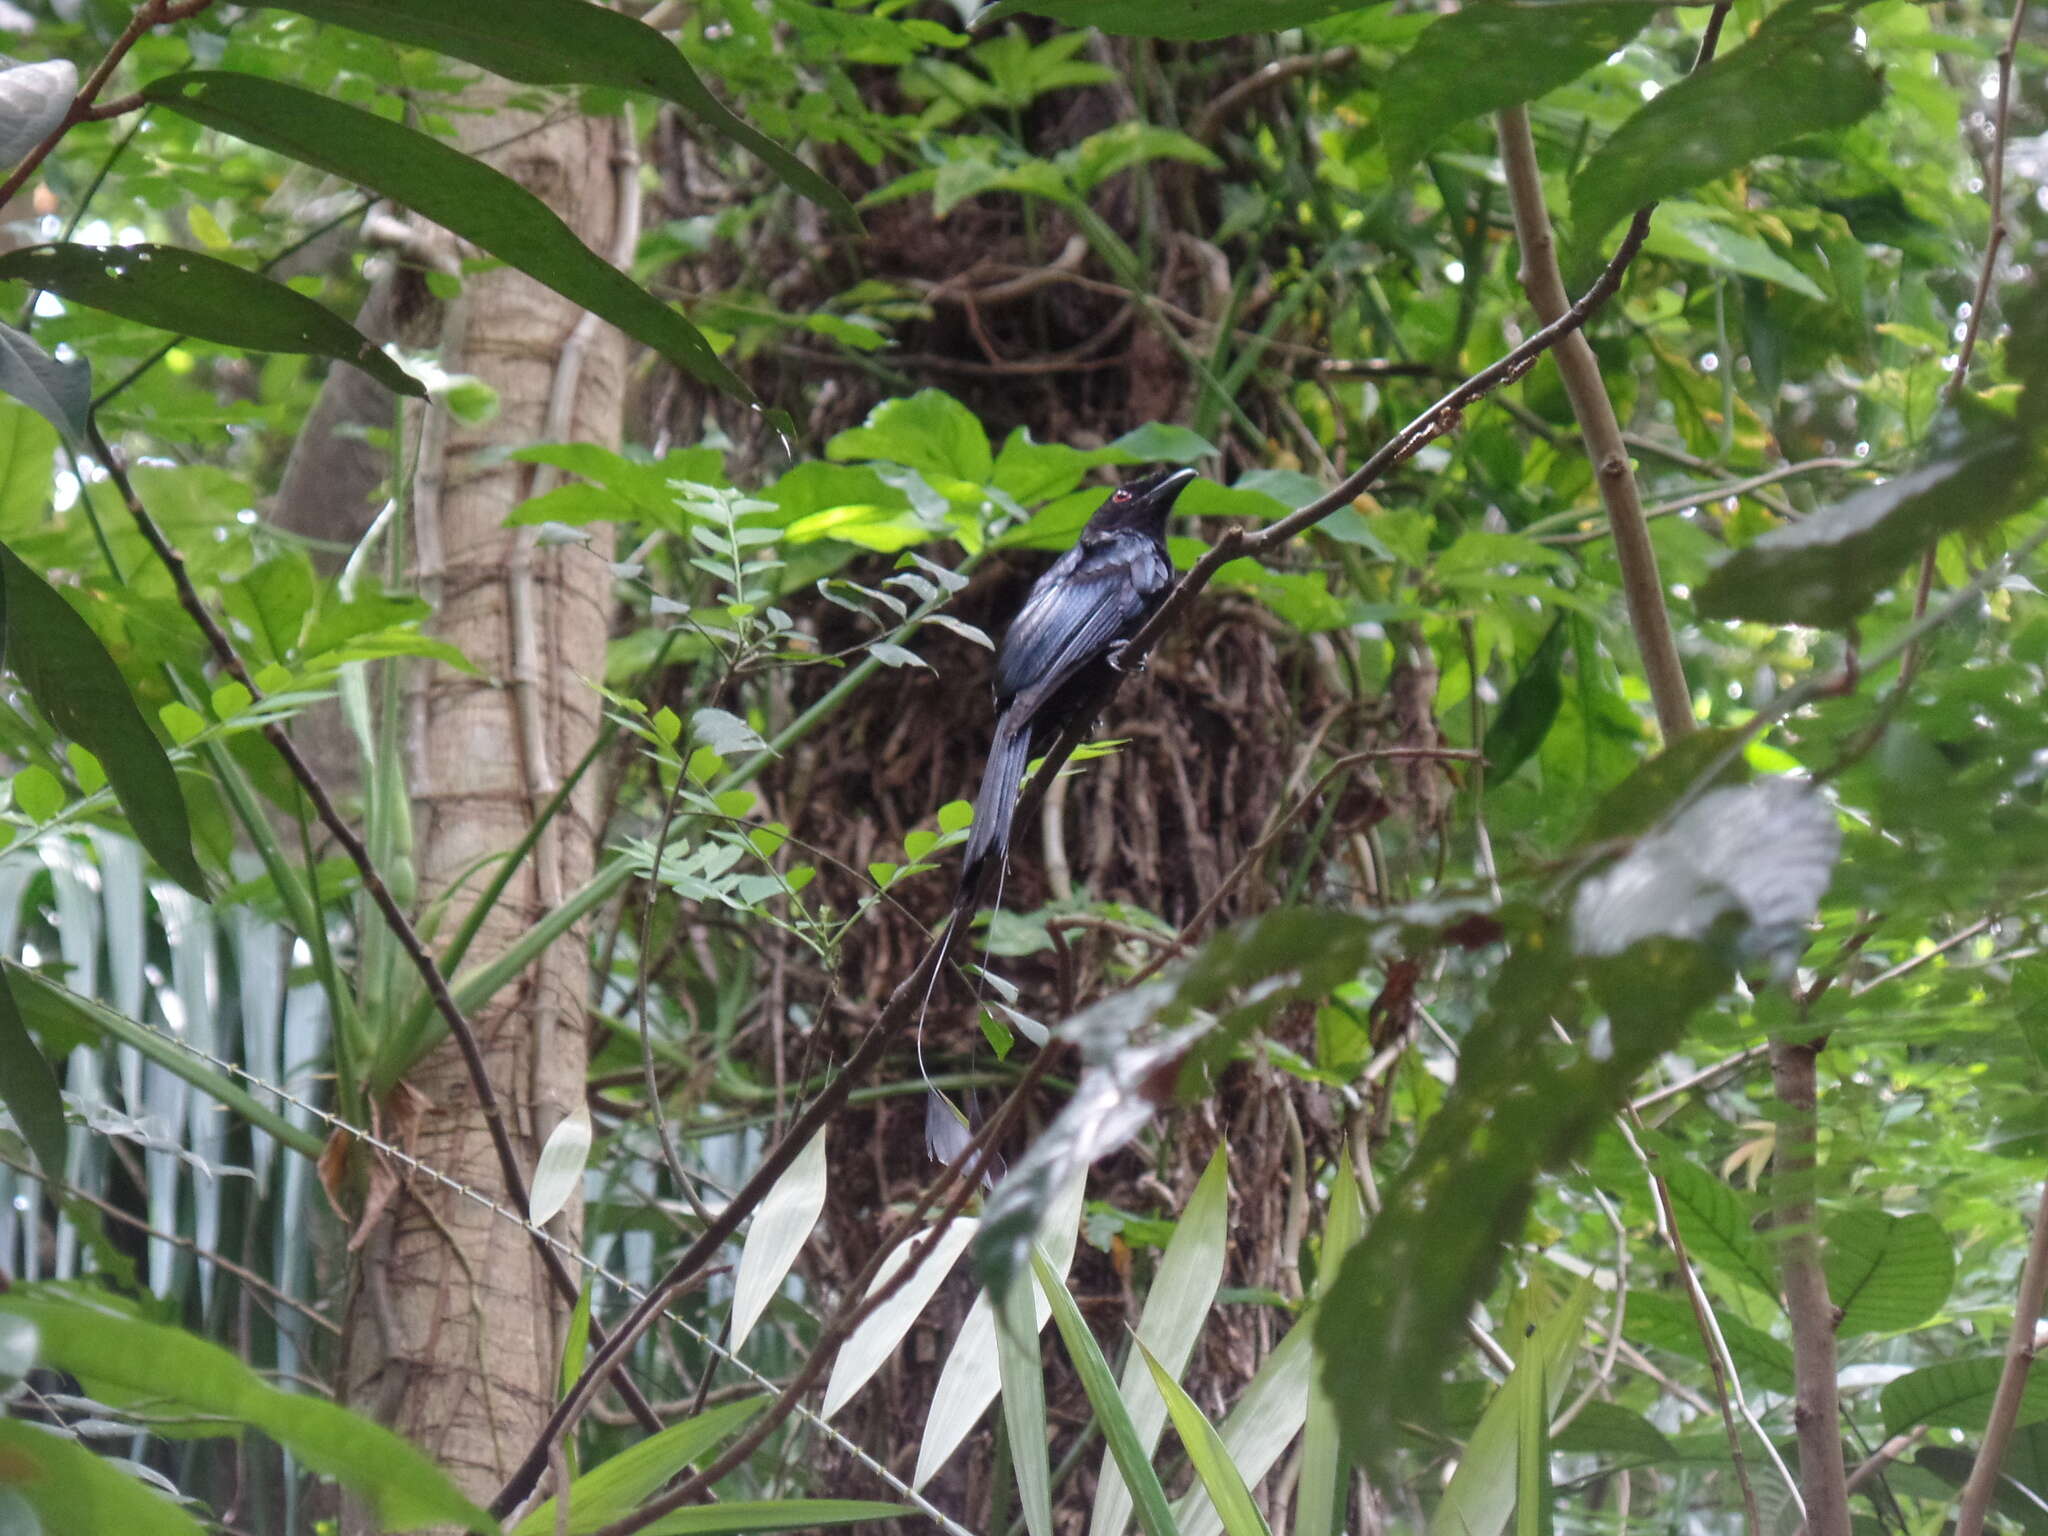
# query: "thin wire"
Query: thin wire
574,1256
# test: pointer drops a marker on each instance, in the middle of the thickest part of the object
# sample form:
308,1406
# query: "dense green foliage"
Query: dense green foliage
1493,997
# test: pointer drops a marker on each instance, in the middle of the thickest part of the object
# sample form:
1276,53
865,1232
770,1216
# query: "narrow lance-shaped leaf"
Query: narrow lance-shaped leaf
1489,55
1225,1481
28,1087
616,1487
1020,1313
777,1236
193,295
122,1359
1176,1307
1801,73
1131,1456
875,1340
462,195
61,393
75,683
570,42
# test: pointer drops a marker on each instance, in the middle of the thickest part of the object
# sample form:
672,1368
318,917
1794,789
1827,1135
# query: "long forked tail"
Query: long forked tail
988,840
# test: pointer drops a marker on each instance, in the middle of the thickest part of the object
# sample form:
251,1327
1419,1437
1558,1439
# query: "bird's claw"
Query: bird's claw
1115,657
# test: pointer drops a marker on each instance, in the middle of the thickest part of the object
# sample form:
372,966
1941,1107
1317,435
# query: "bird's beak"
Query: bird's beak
1169,489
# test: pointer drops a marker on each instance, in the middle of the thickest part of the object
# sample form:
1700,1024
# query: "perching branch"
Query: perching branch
2012,1381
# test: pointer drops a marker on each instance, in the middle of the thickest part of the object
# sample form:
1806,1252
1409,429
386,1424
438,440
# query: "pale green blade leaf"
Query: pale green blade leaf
780,1228
1482,1492
1325,1469
75,1493
1224,1480
1175,1310
875,1340
738,1515
1262,1423
1022,1369
1133,1458
616,1487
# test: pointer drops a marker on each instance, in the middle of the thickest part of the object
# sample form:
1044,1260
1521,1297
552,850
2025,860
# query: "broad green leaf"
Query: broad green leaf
76,685
1178,1304
1323,1490
188,294
1827,568
616,1487
28,469
126,1361
75,1493
1020,1314
1716,1223
571,42
929,431
1887,1273
1956,1394
1693,232
738,1515
60,393
1608,1430
34,99
1261,1424
875,1340
1175,18
1664,1320
1526,714
968,1379
1489,55
1641,800
725,733
1801,73
1761,853
28,1087
781,1226
1483,1492
1130,1452
463,195
1221,1477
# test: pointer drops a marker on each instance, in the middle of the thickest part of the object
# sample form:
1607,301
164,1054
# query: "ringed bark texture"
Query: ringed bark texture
454,1326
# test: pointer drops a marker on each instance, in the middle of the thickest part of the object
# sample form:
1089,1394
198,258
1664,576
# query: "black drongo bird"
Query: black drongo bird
1064,641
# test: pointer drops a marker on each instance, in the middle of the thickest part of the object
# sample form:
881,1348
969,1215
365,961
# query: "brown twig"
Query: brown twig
2012,1381
152,13
1816,1406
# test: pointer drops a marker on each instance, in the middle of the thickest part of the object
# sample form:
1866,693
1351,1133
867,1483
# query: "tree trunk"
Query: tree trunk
454,1328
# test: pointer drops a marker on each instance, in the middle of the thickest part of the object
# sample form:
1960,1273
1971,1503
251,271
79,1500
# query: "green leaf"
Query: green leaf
1761,855
616,1487
28,1087
1800,74
1022,1370
1178,1304
1483,1492
193,295
737,1515
75,1493
1887,1273
1956,1394
1220,1475
37,793
1693,232
61,393
127,1361
1490,55
1130,1449
929,431
1610,1430
1262,1423
1175,18
874,1342
1715,1222
1664,1320
462,195
571,42
1642,799
1825,569
1325,1480
1527,713
76,685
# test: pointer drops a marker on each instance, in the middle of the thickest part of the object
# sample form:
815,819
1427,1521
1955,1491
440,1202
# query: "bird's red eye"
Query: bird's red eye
1121,496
